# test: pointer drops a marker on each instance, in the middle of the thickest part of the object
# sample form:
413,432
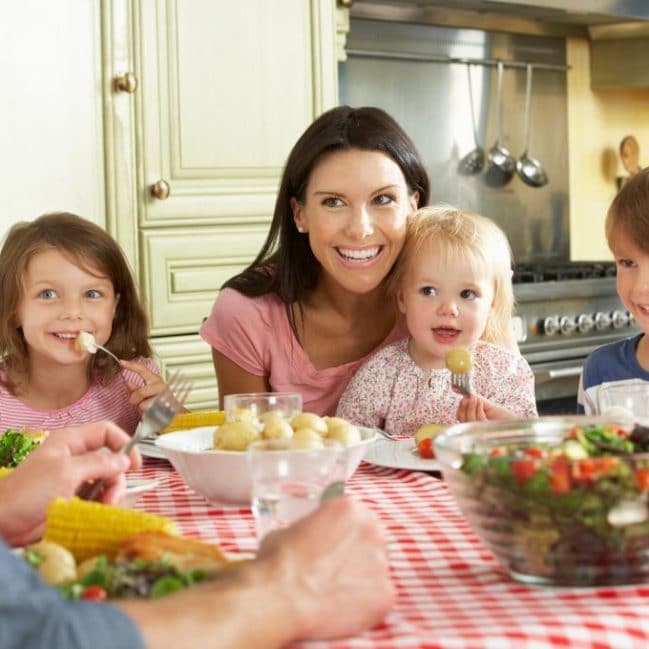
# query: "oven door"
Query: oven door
556,385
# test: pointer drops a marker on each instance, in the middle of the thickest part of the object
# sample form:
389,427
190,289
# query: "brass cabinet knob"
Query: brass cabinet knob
160,190
126,82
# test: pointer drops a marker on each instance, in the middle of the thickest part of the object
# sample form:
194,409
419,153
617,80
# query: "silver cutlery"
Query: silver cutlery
155,418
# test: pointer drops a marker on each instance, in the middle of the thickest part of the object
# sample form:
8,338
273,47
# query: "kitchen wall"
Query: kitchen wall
597,122
389,66
51,126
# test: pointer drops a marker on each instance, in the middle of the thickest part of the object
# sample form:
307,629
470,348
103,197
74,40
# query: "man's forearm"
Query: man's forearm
242,608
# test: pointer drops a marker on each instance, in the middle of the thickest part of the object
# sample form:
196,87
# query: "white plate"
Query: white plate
148,448
135,488
399,454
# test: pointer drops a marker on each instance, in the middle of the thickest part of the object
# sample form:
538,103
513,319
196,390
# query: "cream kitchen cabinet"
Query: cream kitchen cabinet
204,100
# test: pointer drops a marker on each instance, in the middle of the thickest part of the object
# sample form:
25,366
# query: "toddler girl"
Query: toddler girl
62,275
453,285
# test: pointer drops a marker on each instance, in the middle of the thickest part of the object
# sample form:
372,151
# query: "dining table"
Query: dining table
451,591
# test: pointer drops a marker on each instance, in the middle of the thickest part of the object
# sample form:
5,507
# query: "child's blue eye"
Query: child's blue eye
47,294
93,293
468,294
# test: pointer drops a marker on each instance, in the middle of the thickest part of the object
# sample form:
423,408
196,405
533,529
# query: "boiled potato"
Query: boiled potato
345,433
276,427
235,436
242,414
307,438
309,420
428,430
334,422
57,563
459,360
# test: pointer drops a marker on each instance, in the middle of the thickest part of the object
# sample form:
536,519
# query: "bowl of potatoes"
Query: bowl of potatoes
212,460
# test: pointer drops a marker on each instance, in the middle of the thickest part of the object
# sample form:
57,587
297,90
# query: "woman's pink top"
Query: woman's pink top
255,333
101,401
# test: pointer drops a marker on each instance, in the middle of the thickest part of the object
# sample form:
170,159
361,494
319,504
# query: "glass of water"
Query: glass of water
289,481
624,399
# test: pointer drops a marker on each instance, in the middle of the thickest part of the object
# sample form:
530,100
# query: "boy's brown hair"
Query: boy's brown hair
629,211
91,248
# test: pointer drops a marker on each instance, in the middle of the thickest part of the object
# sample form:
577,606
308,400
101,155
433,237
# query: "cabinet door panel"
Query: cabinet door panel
183,270
193,358
226,88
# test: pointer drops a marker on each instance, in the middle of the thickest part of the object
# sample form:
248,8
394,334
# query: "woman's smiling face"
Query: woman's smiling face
354,213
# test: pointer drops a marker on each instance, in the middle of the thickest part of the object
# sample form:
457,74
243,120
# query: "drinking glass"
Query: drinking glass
629,399
254,404
289,481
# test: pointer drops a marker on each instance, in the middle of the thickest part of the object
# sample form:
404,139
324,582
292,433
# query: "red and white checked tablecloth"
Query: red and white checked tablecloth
451,591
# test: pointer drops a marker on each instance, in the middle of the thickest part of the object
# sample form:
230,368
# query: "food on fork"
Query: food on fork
459,360
85,342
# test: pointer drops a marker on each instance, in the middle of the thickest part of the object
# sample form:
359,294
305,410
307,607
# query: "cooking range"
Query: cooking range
564,311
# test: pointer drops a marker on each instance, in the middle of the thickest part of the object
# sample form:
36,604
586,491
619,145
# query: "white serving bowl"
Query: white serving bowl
223,477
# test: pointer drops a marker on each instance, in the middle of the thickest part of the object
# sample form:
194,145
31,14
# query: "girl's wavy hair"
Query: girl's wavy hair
455,233
286,264
629,211
89,247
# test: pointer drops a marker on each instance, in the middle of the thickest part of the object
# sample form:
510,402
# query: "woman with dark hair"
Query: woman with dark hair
314,303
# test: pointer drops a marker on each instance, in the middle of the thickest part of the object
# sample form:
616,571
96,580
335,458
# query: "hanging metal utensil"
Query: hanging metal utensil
501,162
530,169
473,161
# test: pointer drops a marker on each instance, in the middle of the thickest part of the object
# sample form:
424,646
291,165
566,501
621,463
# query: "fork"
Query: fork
461,383
155,418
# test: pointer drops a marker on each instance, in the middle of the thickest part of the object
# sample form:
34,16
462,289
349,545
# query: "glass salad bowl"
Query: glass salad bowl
558,500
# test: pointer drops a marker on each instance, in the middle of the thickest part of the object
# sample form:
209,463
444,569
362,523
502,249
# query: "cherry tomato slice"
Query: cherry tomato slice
95,593
523,470
425,448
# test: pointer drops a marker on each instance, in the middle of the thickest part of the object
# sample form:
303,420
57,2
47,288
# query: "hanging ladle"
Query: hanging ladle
530,169
473,161
501,162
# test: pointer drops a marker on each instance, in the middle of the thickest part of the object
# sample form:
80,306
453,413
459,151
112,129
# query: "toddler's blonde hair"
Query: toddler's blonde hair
457,233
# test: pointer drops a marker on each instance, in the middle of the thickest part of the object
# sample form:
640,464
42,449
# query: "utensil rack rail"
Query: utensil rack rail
434,58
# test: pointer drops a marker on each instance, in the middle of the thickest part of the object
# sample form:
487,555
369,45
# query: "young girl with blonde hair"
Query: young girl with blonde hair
61,275
453,285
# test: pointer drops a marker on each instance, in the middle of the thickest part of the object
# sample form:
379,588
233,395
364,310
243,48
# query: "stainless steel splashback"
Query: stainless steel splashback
431,101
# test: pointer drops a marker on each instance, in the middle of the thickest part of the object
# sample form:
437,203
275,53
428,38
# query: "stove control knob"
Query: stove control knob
585,323
550,325
620,319
567,324
602,320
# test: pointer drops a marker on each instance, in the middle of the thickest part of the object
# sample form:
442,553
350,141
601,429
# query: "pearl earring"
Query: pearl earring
300,229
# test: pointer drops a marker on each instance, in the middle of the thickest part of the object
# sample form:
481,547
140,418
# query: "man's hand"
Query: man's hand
64,461
334,567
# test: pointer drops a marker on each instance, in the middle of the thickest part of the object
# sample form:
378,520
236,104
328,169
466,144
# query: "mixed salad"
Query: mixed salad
124,578
15,446
567,503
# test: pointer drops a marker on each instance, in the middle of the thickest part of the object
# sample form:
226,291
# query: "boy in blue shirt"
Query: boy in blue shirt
623,366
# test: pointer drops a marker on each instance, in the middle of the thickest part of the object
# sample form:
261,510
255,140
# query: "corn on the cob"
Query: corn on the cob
186,420
90,528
